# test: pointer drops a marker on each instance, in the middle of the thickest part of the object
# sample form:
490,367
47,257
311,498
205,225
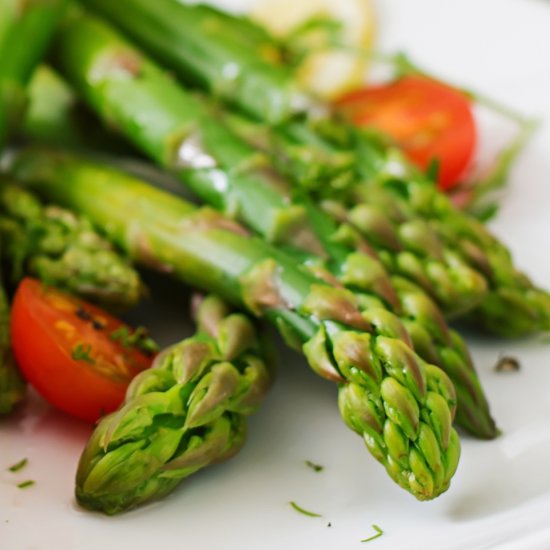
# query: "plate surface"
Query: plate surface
500,497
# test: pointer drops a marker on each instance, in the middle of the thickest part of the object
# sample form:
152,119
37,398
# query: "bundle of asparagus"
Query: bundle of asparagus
402,406
344,247
199,44
226,173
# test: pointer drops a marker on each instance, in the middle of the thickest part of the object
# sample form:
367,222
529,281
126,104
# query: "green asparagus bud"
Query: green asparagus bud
200,247
188,411
436,343
513,305
63,249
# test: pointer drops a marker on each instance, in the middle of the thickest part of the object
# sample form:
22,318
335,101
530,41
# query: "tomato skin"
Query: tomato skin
428,119
46,329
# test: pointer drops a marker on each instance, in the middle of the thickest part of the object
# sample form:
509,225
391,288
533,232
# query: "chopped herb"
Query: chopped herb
379,533
325,31
314,467
25,484
121,335
305,512
81,353
19,466
484,212
507,364
432,172
139,338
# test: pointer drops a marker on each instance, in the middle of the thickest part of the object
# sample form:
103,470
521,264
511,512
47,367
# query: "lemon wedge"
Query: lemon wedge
327,71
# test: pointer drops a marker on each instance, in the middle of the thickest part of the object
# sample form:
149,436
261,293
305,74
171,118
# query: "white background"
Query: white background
500,497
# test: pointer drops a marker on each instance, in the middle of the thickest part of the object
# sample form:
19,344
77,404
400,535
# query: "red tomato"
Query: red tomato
65,348
428,119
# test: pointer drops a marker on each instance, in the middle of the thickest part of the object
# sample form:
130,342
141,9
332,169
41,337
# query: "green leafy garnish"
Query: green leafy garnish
379,533
19,466
433,169
314,467
305,512
81,353
25,484
138,338
317,33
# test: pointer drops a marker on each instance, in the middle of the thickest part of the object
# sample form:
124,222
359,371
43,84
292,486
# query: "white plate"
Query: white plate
500,497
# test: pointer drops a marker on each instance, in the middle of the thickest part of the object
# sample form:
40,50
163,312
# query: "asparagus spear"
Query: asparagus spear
63,250
186,412
513,306
401,406
55,116
226,173
12,385
25,30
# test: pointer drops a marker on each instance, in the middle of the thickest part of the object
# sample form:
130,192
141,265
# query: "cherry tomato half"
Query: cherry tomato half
428,119
74,354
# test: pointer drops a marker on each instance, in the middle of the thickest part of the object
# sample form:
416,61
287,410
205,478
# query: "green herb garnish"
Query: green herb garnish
81,353
138,338
379,533
314,467
19,466
319,32
25,484
305,512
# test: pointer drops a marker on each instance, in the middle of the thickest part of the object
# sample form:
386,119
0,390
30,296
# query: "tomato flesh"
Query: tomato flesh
429,120
65,348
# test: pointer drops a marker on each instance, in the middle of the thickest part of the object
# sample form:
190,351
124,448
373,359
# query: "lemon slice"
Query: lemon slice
326,71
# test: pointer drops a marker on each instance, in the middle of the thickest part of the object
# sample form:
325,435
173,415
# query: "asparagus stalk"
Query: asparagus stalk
63,249
401,406
55,116
186,412
25,31
514,306
227,66
227,174
12,385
